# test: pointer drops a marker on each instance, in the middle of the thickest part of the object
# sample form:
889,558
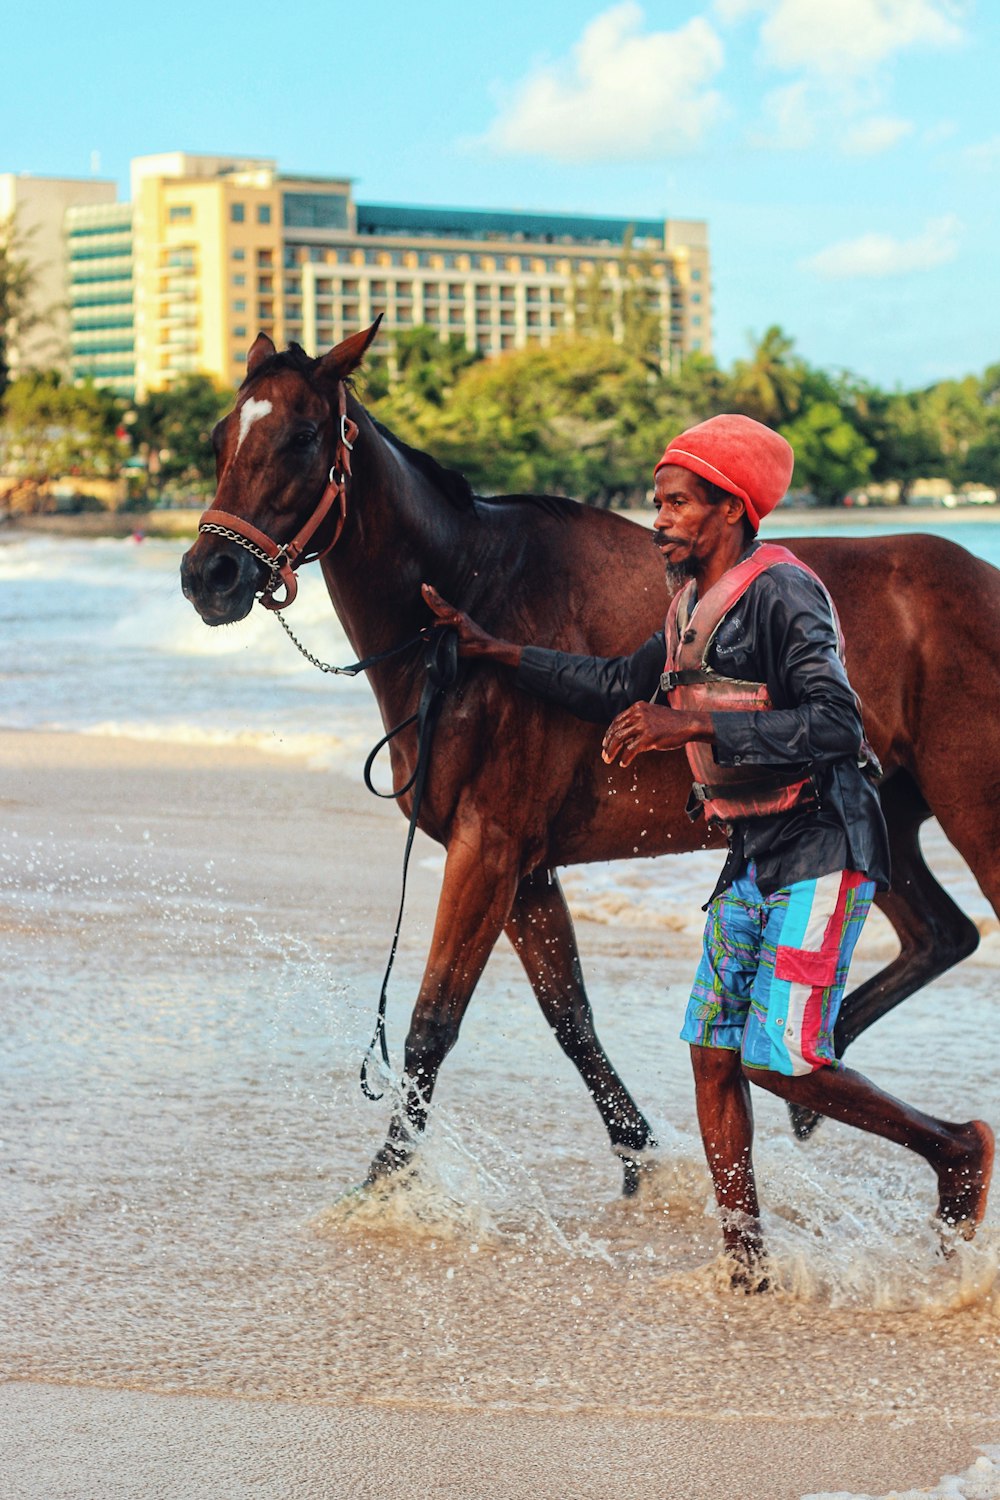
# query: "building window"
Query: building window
239,279
240,332
696,275
263,213
314,210
237,213
239,255
239,305
179,211
265,257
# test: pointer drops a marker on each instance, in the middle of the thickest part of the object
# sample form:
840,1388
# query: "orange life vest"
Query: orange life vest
724,793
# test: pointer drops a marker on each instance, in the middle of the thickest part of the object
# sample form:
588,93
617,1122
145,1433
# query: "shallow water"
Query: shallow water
182,1121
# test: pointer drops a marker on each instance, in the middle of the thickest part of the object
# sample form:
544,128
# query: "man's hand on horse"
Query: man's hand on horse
652,726
473,640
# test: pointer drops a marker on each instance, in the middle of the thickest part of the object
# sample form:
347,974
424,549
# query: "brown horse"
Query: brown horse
517,788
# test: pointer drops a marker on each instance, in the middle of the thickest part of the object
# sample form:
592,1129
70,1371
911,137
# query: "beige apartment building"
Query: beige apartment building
33,212
212,250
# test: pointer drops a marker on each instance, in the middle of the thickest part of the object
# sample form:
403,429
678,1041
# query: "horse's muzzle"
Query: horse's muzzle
221,580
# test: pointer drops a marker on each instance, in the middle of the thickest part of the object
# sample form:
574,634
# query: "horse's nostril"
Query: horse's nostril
221,573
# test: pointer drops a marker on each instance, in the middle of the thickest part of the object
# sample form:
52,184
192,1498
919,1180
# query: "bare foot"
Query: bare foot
747,1257
964,1184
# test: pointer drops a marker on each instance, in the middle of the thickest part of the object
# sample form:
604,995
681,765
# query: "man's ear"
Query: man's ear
346,356
735,510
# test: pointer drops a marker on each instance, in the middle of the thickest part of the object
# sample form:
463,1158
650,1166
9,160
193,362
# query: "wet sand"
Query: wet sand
638,1377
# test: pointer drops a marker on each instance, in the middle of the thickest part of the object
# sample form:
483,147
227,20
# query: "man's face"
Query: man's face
688,527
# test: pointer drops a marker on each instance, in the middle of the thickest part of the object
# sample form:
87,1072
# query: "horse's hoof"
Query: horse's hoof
803,1121
386,1163
634,1165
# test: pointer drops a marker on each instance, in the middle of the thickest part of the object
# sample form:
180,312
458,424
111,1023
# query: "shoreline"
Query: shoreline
183,524
76,1440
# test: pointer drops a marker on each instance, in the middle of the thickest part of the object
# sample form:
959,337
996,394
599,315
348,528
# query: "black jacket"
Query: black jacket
780,632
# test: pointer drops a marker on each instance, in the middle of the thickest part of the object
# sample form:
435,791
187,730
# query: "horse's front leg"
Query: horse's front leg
541,930
480,881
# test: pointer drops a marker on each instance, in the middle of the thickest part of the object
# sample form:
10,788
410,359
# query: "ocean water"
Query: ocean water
182,1123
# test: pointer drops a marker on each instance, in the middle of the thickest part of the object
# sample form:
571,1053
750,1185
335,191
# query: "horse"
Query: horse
517,788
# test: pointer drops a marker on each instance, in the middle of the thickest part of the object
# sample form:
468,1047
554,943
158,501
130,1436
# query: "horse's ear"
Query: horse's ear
345,357
262,348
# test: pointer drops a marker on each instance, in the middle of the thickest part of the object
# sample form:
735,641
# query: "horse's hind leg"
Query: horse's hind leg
934,933
541,930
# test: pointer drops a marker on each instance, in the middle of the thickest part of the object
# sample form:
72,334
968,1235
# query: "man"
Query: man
756,692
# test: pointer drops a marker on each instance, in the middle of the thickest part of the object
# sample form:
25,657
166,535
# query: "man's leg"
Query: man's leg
713,1025
960,1155
809,936
725,1118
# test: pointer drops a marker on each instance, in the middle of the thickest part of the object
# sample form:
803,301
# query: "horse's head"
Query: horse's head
281,457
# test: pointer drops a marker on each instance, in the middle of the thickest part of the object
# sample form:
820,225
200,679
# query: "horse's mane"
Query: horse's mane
453,485
450,482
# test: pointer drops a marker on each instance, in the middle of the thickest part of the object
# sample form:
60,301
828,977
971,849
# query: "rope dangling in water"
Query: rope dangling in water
441,661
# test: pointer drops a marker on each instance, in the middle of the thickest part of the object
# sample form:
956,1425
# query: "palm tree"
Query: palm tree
768,385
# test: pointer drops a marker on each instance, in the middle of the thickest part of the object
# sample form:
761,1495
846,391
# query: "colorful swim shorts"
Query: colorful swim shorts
774,969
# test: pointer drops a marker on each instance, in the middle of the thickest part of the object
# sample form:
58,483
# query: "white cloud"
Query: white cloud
984,156
625,95
846,38
885,255
789,120
879,133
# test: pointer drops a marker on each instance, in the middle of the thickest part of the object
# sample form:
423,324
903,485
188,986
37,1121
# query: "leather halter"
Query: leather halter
284,557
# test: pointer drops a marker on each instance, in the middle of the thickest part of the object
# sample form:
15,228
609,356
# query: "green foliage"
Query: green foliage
173,428
587,416
769,385
409,389
572,419
52,429
831,456
17,281
622,307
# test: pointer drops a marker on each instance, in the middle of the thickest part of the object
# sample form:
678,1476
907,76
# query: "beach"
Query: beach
196,939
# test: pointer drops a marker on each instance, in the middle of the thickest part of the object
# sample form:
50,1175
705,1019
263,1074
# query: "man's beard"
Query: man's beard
679,573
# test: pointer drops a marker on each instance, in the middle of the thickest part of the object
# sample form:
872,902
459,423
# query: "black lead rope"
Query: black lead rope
441,662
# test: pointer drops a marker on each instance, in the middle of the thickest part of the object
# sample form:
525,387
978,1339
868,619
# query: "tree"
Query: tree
576,418
831,457
17,282
408,391
768,386
52,429
898,427
173,427
624,308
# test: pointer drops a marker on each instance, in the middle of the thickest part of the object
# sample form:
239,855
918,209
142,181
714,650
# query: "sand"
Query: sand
253,818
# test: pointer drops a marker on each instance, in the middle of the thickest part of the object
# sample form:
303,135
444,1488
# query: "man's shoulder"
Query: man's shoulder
788,579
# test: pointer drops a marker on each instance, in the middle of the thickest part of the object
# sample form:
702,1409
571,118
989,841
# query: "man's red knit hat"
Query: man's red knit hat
739,455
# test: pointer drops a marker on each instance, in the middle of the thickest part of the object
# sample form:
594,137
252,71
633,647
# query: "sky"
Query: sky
845,153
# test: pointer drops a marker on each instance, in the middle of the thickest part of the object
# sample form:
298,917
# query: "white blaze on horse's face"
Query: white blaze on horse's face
250,412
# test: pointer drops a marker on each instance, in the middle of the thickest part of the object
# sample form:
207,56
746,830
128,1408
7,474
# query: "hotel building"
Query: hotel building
211,250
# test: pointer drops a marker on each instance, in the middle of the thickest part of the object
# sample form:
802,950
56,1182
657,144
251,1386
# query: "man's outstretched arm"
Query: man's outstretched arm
595,688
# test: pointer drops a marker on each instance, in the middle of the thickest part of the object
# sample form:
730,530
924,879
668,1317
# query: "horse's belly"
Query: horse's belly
616,814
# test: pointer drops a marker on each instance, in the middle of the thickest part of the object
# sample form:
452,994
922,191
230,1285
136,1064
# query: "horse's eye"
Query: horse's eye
304,438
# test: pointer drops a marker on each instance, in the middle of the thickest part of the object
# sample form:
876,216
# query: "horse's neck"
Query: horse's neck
399,534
